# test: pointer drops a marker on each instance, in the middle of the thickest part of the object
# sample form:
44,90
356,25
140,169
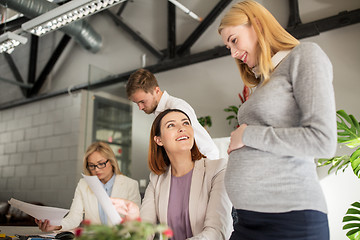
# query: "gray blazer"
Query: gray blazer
209,204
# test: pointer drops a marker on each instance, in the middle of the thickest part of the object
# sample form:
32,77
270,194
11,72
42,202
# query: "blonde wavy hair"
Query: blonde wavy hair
272,37
105,151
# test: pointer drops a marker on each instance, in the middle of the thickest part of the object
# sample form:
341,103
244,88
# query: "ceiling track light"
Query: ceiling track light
9,40
186,10
65,14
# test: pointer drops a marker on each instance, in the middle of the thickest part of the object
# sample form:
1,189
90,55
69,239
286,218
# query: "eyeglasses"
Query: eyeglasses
102,165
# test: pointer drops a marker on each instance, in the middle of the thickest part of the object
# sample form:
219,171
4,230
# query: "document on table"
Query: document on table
95,185
54,215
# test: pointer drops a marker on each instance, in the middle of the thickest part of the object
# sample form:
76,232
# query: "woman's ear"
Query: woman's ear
157,139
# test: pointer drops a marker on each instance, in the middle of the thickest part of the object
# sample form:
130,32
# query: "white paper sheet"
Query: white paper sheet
95,185
54,215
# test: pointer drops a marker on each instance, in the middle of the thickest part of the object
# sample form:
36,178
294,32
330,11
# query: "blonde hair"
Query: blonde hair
272,37
105,151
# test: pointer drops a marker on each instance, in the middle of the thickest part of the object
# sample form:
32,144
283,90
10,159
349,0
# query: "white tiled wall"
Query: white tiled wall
39,149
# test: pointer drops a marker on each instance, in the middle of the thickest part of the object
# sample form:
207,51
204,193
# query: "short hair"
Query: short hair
272,37
141,79
158,159
105,151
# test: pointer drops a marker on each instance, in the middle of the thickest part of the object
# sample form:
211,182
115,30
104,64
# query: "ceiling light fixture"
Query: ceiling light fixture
9,40
65,14
186,10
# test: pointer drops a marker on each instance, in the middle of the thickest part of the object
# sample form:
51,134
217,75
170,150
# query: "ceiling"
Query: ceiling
30,65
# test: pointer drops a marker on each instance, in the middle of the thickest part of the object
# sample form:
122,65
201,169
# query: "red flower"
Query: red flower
86,222
168,233
78,232
245,94
138,219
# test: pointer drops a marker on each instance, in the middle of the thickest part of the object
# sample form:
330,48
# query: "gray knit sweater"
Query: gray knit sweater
291,120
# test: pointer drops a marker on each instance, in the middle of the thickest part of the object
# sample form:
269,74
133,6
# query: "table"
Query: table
20,230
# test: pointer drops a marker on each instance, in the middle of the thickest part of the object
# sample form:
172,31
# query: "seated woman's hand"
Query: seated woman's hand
45,225
127,208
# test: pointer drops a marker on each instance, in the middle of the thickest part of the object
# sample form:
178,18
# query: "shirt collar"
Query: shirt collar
276,59
162,103
110,183
279,56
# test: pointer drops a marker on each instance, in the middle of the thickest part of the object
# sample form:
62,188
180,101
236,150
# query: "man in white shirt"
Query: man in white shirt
142,88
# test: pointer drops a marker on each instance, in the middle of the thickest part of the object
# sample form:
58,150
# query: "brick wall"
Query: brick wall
39,151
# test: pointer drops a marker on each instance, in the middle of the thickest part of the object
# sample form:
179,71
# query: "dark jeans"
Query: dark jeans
294,225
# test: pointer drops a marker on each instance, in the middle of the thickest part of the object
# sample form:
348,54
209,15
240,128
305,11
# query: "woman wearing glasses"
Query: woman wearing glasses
100,161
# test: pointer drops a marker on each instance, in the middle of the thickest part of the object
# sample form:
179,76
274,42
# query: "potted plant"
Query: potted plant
349,135
127,230
205,121
234,109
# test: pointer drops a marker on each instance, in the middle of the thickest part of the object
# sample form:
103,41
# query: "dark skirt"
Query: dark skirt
294,225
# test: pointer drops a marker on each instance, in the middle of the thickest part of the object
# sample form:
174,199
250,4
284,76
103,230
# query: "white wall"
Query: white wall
39,151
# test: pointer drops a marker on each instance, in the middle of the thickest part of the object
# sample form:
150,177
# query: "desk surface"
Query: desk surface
12,230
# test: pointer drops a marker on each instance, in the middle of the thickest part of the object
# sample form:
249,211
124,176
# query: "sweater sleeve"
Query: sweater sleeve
311,77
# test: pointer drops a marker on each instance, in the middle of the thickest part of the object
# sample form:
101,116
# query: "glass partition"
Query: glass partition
112,124
108,118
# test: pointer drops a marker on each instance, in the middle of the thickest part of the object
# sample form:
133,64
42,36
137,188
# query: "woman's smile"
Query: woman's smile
182,138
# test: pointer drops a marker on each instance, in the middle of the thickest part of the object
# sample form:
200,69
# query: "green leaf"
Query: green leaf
355,124
351,218
356,236
133,230
351,225
350,136
351,232
208,121
341,162
201,121
353,143
355,162
344,115
356,204
335,164
205,121
353,211
355,155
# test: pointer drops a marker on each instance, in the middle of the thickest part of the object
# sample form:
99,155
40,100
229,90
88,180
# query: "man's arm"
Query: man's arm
202,138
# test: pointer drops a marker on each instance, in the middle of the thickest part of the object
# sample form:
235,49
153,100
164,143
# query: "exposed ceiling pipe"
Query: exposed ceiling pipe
80,30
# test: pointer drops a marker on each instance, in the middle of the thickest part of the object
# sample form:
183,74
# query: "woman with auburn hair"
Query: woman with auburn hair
288,120
186,191
99,160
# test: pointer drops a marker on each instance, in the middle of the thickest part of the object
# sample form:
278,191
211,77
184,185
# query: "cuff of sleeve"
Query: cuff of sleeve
251,136
246,136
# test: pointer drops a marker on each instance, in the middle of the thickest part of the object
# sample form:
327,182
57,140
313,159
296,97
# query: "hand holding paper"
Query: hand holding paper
103,198
54,215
